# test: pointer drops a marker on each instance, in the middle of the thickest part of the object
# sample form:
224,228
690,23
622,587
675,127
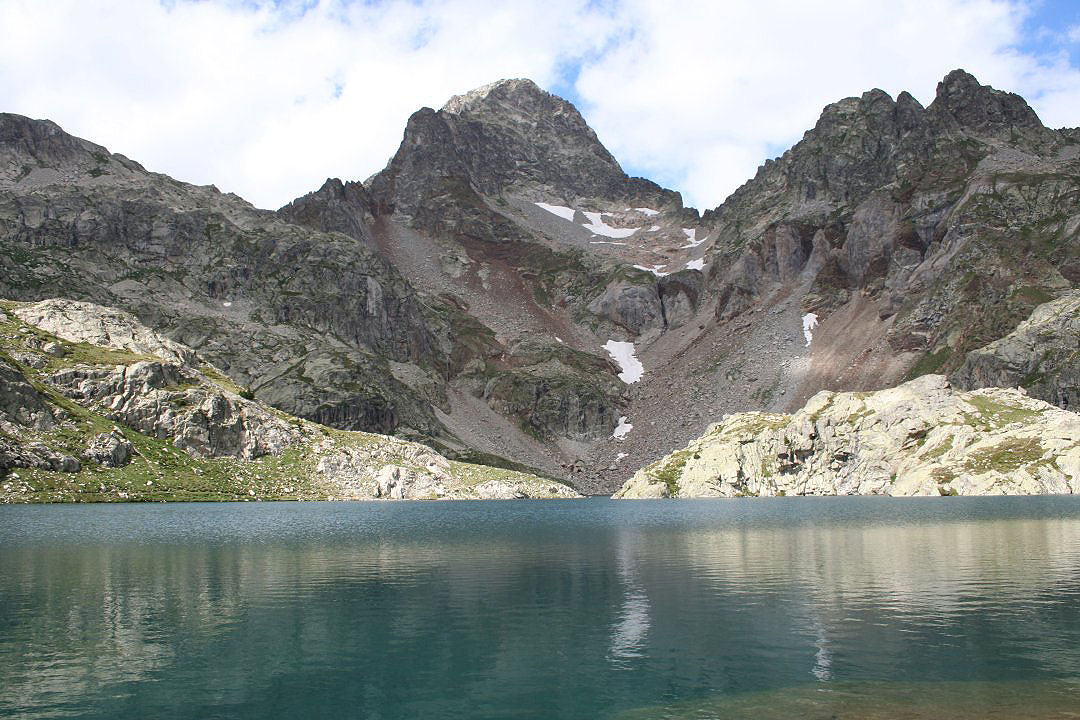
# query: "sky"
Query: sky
268,98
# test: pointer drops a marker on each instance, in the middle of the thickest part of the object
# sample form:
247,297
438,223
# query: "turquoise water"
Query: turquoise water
785,607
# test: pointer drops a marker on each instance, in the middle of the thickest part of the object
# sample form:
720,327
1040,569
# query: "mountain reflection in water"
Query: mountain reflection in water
591,608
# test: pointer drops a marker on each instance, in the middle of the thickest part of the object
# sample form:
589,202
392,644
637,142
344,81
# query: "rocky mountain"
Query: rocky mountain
95,406
502,290
312,322
920,438
851,262
475,210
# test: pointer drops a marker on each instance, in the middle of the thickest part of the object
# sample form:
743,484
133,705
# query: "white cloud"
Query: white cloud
697,96
268,99
243,96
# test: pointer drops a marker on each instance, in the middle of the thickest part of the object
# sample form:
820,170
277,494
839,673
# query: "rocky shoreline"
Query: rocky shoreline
920,438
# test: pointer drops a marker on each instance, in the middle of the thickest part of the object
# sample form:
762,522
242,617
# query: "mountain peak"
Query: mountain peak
507,135
981,108
514,91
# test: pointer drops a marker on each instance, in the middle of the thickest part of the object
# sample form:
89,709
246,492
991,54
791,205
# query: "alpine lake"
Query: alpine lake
748,608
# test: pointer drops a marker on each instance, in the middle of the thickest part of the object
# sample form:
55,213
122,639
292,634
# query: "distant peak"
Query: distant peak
980,107
513,89
958,82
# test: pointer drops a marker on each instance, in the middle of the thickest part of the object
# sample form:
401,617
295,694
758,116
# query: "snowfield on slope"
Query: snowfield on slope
561,210
809,322
623,354
599,227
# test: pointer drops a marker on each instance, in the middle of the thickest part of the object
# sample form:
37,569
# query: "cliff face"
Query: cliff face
520,229
892,241
920,438
924,214
1041,355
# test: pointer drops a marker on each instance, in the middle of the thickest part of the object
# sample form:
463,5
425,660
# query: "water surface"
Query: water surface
784,607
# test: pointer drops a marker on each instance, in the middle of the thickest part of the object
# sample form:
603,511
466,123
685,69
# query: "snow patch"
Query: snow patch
559,339
606,242
654,228
598,226
623,428
809,322
620,456
691,234
648,211
561,210
226,304
655,269
698,264
623,354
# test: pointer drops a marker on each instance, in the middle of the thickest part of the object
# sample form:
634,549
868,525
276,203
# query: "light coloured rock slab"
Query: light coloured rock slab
107,327
920,438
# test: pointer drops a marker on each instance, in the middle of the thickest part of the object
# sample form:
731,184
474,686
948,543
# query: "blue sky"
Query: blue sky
1046,29
268,98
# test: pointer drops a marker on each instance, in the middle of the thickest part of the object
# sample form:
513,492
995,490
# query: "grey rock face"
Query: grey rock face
36,455
335,207
928,214
555,392
680,295
161,400
509,135
981,109
635,308
20,403
109,449
1042,355
250,292
462,186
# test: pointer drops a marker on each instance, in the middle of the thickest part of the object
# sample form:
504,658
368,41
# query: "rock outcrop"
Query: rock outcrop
105,327
153,428
109,450
1042,355
20,402
166,401
405,471
920,438
924,211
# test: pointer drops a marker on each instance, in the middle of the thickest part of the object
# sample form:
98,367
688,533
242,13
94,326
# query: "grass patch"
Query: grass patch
929,363
472,475
1007,456
669,470
160,472
225,383
939,450
861,415
991,414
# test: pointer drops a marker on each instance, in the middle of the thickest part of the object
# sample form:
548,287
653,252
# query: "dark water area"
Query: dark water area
756,608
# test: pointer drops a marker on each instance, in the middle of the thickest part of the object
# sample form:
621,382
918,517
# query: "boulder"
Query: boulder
109,449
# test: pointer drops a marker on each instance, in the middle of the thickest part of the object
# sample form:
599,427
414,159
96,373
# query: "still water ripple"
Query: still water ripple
852,607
